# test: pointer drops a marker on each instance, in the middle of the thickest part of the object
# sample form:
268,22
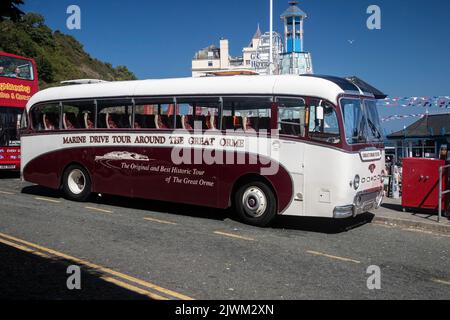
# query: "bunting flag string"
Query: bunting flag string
402,117
442,102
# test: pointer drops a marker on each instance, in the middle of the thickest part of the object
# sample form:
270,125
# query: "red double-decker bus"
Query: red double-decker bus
18,82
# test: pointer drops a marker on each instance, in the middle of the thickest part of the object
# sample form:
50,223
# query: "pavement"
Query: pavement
392,213
131,249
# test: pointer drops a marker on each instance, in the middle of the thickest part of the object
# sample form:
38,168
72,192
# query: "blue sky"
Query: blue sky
409,56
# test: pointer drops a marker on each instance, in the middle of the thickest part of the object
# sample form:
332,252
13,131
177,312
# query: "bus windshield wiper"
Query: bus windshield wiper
375,130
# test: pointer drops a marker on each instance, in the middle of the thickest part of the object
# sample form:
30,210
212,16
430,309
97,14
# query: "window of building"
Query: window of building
114,114
292,117
46,117
249,114
198,113
157,114
210,64
78,115
323,122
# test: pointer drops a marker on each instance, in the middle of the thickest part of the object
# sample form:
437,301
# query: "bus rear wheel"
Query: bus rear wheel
255,204
76,183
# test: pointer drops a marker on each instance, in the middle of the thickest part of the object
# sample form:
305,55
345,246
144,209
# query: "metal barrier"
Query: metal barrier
442,193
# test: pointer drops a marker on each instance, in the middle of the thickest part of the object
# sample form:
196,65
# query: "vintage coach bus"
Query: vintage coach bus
267,146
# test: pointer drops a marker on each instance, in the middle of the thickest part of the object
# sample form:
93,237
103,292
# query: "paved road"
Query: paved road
135,249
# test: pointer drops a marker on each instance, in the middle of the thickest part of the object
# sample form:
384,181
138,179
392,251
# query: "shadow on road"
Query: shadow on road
318,225
139,204
9,175
425,214
392,206
42,192
25,276
323,225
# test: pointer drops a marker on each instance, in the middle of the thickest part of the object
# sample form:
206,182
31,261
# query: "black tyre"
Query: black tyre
76,183
255,204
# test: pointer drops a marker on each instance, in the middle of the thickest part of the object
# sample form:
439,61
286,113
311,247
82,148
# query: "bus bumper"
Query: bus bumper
364,202
9,167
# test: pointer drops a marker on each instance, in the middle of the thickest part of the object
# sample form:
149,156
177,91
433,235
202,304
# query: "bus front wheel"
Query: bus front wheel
76,183
255,204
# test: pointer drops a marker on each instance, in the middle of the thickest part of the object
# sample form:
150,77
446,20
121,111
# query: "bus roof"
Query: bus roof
5,54
315,86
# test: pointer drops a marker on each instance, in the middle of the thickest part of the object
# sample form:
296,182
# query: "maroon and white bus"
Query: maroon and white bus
278,145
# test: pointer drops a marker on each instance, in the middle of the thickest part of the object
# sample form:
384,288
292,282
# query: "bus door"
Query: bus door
292,118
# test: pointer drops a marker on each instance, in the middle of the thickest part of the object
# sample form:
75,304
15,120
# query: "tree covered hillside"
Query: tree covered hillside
58,56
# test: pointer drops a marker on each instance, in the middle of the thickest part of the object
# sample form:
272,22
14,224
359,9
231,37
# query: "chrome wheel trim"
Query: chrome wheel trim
76,181
254,202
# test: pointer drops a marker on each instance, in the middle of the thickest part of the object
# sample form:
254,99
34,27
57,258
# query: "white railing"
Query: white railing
442,192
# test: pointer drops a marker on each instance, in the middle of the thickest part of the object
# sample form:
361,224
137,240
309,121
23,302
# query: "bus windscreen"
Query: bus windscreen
11,67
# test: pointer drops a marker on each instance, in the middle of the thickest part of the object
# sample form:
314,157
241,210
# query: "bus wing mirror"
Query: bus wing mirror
320,113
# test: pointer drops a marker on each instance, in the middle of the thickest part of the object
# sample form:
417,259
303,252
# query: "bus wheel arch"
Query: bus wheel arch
76,182
254,200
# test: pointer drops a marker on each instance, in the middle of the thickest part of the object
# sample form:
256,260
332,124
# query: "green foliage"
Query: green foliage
58,56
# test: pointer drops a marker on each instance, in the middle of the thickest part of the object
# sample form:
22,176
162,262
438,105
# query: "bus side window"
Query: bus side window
114,114
198,113
78,115
165,119
45,117
248,114
155,114
292,117
326,129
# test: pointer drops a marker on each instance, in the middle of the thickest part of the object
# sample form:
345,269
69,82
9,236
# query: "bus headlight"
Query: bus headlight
356,182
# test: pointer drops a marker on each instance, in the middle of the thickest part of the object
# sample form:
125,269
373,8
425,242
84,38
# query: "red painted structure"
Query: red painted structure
15,91
421,184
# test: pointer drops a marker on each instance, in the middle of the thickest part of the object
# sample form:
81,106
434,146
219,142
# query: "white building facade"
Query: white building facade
289,56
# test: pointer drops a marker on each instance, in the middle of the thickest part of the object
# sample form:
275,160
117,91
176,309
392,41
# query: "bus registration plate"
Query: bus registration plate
8,167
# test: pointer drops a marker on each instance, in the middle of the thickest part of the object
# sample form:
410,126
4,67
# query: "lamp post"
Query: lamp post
271,39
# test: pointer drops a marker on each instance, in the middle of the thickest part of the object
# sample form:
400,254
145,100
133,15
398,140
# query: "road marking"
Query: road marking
99,268
7,193
417,230
99,210
332,257
426,232
383,225
160,221
107,279
134,288
23,248
380,224
441,281
235,236
47,200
